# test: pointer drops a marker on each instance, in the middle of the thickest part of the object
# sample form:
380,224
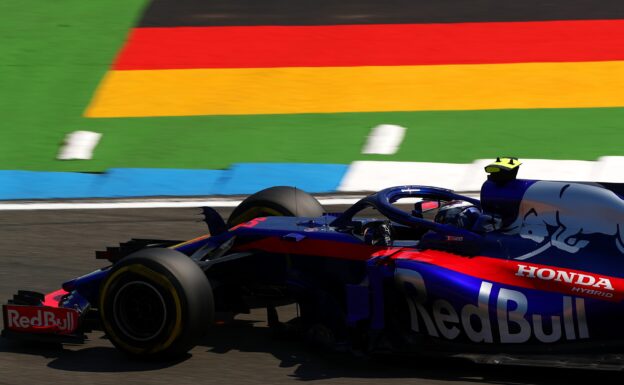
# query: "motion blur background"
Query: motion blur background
193,97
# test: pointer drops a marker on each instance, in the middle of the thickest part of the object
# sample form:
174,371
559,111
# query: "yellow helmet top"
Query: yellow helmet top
502,165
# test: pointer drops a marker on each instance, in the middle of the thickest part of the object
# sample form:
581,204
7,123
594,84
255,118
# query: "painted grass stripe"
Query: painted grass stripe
330,12
215,142
358,89
372,45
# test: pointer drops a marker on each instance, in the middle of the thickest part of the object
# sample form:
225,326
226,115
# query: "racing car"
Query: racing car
533,271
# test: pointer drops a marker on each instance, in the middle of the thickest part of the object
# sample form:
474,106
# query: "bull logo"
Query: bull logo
574,210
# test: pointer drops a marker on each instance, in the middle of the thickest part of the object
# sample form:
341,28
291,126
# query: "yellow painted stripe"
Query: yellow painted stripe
358,89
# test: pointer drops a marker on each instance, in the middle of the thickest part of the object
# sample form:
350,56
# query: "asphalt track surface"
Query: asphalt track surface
40,249
162,13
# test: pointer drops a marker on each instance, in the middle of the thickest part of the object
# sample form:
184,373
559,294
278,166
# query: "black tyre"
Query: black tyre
156,303
276,201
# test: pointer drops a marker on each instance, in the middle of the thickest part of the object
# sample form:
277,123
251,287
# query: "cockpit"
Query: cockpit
438,219
430,216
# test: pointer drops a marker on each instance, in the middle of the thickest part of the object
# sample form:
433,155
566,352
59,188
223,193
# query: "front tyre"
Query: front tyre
156,303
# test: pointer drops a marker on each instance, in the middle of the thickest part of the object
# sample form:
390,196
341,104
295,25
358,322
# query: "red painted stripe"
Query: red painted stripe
372,45
505,271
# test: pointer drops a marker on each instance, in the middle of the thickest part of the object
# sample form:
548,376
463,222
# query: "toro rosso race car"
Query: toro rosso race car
533,271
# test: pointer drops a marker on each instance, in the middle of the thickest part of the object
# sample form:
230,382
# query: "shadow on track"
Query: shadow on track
307,364
88,359
313,364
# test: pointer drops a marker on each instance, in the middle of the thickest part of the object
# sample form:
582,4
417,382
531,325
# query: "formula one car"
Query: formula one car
533,272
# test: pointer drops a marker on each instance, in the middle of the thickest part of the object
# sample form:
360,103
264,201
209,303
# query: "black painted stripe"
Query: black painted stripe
162,13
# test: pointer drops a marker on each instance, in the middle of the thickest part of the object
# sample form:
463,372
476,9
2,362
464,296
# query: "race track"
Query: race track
40,249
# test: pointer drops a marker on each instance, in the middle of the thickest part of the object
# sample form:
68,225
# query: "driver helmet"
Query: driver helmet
459,214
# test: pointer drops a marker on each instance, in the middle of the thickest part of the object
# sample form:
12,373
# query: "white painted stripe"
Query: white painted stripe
384,139
148,204
216,203
375,175
79,145
567,170
111,205
611,169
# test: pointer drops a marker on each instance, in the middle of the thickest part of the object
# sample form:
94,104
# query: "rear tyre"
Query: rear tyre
156,303
276,201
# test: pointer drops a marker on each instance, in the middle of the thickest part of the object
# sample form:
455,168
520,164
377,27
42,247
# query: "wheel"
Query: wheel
156,303
276,201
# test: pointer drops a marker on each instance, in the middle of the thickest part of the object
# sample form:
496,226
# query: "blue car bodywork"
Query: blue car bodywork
538,271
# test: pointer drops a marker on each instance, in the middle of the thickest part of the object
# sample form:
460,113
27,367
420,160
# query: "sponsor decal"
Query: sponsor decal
524,274
508,322
40,319
574,210
583,283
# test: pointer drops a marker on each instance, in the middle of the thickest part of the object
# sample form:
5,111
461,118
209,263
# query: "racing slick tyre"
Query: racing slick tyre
276,201
156,303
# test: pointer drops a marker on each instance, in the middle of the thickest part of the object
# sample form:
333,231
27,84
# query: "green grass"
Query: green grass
54,54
